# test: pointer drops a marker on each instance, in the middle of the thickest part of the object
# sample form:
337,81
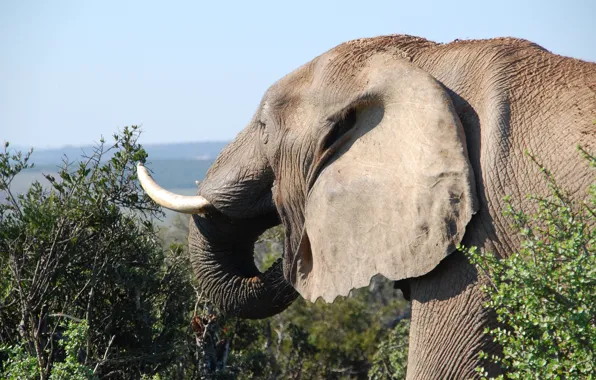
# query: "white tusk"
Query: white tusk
186,204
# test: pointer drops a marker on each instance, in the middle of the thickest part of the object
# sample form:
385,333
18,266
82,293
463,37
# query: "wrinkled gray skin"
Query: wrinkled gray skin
510,95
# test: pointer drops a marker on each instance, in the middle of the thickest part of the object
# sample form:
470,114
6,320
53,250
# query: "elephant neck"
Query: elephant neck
448,323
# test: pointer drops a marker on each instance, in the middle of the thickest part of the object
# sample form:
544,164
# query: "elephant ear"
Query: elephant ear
396,198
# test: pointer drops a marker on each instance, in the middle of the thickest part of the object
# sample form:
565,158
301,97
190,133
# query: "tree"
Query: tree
85,252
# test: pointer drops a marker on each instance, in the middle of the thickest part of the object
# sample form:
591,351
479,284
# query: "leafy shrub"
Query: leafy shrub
18,363
391,359
545,294
85,250
319,341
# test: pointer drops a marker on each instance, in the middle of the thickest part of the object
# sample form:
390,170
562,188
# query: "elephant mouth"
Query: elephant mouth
302,262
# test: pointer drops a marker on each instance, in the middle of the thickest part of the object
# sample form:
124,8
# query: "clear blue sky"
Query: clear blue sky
71,71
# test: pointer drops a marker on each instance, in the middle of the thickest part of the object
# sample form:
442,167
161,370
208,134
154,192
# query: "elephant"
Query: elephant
381,156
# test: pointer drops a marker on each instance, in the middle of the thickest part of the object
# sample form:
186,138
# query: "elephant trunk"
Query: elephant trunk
222,256
233,208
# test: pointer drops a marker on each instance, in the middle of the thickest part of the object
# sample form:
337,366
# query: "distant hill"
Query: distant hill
206,150
195,150
170,174
176,167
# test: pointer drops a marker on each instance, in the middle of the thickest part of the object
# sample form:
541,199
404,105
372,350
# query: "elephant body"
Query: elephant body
512,97
380,156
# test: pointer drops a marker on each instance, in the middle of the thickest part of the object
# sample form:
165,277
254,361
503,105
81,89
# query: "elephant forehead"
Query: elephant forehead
322,81
335,68
290,86
343,66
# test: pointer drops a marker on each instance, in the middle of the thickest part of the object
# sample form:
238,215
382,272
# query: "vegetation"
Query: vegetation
391,358
85,251
545,294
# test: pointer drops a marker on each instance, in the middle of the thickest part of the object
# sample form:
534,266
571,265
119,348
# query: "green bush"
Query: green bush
545,294
391,359
85,250
20,364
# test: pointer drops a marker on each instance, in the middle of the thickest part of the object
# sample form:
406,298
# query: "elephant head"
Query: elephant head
362,157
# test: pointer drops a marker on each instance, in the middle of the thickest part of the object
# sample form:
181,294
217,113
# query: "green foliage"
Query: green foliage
85,250
18,363
545,294
21,365
73,342
391,358
331,341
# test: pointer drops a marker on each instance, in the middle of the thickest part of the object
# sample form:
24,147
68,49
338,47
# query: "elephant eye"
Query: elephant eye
339,128
263,132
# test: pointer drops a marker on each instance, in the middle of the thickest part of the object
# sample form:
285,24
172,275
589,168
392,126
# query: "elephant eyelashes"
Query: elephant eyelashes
339,128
